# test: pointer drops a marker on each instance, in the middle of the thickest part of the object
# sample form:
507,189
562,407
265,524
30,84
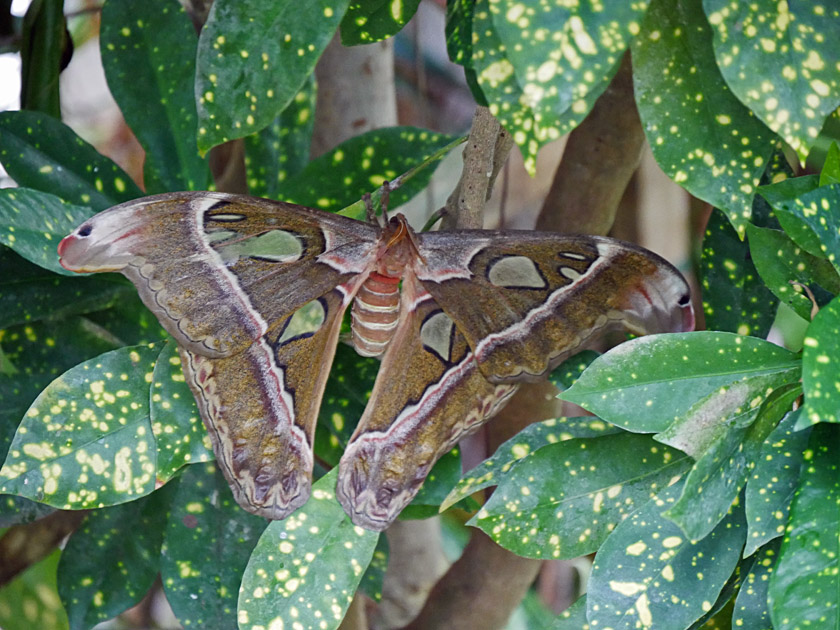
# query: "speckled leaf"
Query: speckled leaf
305,569
647,574
87,441
43,153
459,18
31,599
32,223
820,375
676,371
785,268
745,417
207,542
573,618
253,57
820,210
436,486
148,52
180,436
523,445
372,580
112,560
700,134
129,322
781,60
564,500
368,21
751,611
281,150
565,374
830,173
734,298
341,176
781,196
17,510
804,585
772,483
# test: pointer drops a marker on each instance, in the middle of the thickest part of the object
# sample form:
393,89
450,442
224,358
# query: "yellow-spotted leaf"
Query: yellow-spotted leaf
806,579
524,444
700,134
253,57
112,560
648,574
820,211
459,18
374,577
648,383
772,483
305,569
573,618
31,599
564,500
781,60
821,366
750,610
207,541
781,196
565,374
368,21
87,440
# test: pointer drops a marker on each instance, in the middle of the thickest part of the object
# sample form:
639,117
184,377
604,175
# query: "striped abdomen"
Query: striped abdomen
375,314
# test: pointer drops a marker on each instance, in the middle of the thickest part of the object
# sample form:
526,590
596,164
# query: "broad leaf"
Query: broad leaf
306,568
565,374
820,375
31,599
459,19
819,210
436,487
675,371
751,610
573,618
374,576
830,173
368,21
781,196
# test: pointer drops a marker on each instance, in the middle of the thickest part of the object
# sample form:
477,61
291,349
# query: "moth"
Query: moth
254,292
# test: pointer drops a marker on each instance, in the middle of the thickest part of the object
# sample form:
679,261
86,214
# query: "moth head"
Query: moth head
102,243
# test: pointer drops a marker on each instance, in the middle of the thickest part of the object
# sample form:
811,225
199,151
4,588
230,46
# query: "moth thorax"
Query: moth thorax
375,314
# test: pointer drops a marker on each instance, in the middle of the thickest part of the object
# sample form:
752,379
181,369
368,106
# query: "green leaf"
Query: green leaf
45,46
700,134
573,618
305,569
820,210
41,152
523,445
820,376
112,560
781,196
565,499
647,383
253,57
734,298
780,60
374,576
17,510
830,173
459,19
567,373
87,441
31,599
804,585
32,223
281,150
208,540
436,486
772,483
647,573
751,611
368,21
148,52
358,165
180,436
785,268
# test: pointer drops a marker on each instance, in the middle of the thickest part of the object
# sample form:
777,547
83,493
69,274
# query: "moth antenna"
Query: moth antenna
369,210
386,197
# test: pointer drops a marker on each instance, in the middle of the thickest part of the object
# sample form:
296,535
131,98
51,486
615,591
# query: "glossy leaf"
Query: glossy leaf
648,573
45,45
780,60
253,57
781,196
563,501
368,21
830,173
459,19
573,618
281,150
523,445
306,568
673,371
32,223
207,541
805,582
148,52
112,560
374,576
17,510
565,374
31,599
820,374
751,611
818,209
772,483
700,134
436,487
41,152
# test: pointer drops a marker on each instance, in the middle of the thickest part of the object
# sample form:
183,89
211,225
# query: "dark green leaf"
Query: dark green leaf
564,500
46,44
253,58
647,573
130,322
112,560
207,543
781,196
830,173
31,599
573,618
459,19
306,568
374,576
438,484
17,510
751,611
781,61
805,582
676,371
820,375
32,223
368,21
819,210
41,152
565,374
148,52
700,134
